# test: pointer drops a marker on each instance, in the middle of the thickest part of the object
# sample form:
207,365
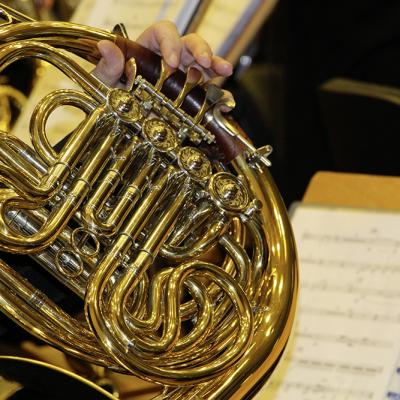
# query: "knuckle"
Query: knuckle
193,37
165,24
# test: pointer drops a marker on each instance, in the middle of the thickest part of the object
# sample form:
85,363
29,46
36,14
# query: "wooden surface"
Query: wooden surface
354,190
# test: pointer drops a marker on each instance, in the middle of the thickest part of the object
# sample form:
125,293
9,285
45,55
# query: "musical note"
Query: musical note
346,340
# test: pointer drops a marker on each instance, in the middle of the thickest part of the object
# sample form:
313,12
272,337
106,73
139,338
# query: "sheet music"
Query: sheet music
223,21
393,392
347,338
139,14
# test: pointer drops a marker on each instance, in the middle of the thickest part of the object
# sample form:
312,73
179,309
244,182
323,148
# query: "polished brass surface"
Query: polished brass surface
185,259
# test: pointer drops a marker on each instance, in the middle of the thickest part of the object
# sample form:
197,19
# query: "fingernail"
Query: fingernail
228,68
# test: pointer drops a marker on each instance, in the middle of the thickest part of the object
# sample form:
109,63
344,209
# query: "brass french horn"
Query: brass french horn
158,212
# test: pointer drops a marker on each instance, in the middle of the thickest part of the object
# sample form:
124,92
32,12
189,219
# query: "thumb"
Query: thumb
111,65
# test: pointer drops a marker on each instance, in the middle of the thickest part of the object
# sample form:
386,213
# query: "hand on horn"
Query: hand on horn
178,52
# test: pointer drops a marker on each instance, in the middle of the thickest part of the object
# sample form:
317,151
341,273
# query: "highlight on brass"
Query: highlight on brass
158,213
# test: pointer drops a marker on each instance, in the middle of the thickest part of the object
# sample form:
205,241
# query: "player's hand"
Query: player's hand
177,51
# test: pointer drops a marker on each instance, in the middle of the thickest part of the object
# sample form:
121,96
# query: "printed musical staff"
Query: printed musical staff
347,337
316,390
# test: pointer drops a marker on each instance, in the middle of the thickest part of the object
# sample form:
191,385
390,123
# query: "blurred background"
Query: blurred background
322,88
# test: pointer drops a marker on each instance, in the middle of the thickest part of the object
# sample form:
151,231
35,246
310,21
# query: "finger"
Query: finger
163,38
198,49
221,66
111,65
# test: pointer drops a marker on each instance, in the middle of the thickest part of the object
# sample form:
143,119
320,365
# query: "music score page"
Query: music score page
347,337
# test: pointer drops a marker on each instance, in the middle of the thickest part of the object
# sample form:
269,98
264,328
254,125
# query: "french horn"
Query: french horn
157,212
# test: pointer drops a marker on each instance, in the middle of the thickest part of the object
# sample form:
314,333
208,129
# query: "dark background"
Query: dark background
303,45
